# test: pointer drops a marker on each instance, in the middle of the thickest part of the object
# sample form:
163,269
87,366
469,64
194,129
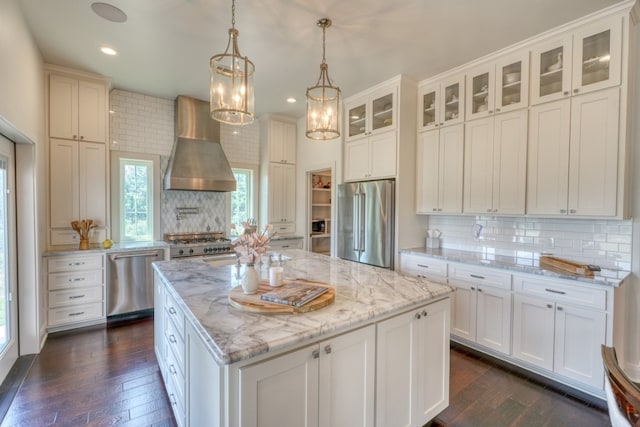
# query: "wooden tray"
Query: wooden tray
253,303
564,266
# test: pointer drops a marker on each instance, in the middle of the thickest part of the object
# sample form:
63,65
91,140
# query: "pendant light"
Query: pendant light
323,100
231,88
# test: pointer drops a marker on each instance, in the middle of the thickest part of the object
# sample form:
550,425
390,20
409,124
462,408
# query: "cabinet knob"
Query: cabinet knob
490,111
81,137
560,308
437,125
479,290
424,313
572,211
566,92
417,316
563,211
495,210
315,354
435,210
549,305
327,349
473,288
497,110
576,90
488,210
75,136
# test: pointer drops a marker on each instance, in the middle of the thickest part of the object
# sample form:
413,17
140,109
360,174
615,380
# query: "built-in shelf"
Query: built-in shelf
320,235
321,204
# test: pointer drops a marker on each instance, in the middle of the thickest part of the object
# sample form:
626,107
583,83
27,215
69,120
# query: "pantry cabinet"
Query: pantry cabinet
326,384
496,87
573,156
77,188
278,174
560,327
439,170
495,156
413,366
441,103
77,109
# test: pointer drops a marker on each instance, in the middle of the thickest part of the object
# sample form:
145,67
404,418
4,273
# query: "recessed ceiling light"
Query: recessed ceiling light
108,51
109,12
291,100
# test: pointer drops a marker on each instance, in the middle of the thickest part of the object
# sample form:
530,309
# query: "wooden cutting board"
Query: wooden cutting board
253,303
564,266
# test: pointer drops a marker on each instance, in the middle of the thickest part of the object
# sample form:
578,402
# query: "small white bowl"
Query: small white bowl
511,78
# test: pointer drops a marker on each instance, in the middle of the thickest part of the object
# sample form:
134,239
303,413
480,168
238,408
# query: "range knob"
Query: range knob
180,252
191,251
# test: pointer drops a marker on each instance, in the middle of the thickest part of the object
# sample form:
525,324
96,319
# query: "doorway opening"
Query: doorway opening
320,190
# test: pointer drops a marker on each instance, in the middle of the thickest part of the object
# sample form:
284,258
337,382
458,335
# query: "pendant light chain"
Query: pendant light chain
324,33
233,14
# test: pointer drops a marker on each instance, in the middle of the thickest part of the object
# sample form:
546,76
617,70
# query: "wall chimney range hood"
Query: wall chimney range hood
197,161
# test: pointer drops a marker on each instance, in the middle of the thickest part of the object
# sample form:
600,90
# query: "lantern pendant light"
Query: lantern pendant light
323,100
231,87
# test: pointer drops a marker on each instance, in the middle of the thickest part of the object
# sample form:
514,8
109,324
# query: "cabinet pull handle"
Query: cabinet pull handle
172,310
497,110
172,398
566,92
490,111
424,313
576,90
553,291
549,305
327,349
76,296
473,288
79,313
172,369
172,338
479,290
560,308
71,264
75,136
417,316
315,354
76,279
475,276
563,211
81,137
423,266
572,211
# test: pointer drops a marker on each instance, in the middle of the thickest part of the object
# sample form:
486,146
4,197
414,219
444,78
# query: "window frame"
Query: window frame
255,173
116,203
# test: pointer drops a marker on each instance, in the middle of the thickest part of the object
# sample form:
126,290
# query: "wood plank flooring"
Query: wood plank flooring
109,376
97,376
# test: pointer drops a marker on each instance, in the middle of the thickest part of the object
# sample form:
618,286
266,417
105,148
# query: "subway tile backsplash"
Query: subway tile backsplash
145,124
602,242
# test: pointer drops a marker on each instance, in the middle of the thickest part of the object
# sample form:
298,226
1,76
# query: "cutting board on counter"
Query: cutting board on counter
565,266
253,303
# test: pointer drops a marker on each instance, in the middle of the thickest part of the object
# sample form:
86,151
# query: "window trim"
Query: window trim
116,156
255,169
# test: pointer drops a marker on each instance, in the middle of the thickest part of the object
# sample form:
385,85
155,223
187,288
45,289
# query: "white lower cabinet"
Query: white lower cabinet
560,328
413,366
482,306
76,285
326,384
420,266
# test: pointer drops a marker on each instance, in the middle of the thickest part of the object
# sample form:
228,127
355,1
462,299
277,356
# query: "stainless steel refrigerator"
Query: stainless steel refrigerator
366,222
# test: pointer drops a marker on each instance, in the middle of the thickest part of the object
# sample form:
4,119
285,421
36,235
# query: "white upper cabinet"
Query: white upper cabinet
498,86
282,142
441,103
587,60
371,114
77,109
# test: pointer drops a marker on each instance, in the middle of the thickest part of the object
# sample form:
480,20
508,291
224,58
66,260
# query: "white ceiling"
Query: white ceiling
165,45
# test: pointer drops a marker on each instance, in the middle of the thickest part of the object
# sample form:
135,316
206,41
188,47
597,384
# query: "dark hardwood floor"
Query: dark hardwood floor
97,376
109,376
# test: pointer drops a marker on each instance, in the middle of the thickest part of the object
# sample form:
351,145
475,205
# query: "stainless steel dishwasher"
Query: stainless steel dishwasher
130,286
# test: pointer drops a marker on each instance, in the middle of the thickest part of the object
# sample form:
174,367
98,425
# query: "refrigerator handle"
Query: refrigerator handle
363,225
356,220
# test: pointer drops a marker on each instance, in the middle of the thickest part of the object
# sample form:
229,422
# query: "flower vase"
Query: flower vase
84,244
250,280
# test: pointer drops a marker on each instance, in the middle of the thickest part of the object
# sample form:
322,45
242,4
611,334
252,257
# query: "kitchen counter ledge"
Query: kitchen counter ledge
98,249
607,277
364,295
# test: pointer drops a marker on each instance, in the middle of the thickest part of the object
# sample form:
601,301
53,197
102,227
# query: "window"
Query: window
136,197
243,201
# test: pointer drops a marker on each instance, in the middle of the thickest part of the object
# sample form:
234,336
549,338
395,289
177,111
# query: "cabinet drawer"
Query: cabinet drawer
423,266
286,244
175,343
177,404
284,228
174,313
73,314
480,275
70,237
80,279
75,263
73,297
562,291
176,372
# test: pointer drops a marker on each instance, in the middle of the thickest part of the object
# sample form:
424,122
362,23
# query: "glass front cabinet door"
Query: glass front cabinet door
441,103
371,115
589,59
498,87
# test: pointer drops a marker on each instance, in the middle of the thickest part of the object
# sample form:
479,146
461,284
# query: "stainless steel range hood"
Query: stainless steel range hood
197,160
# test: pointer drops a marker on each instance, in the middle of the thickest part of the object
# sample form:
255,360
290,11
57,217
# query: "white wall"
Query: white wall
312,156
22,104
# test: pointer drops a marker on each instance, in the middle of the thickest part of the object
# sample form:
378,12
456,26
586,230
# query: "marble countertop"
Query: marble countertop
364,294
97,249
608,277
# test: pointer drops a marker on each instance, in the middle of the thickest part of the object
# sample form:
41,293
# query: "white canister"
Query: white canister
275,276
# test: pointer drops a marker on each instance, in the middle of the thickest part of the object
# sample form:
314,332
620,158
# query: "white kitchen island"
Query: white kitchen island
379,355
